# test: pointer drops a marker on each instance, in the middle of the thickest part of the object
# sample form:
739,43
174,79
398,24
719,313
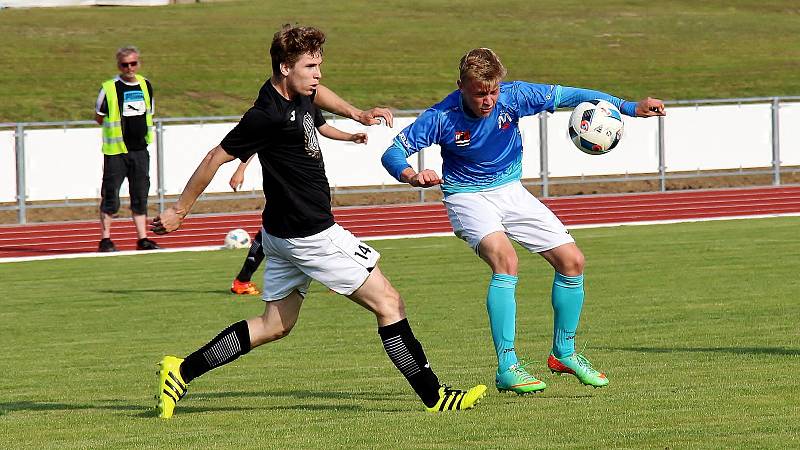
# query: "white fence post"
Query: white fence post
421,167
543,169
662,167
776,142
160,163
19,141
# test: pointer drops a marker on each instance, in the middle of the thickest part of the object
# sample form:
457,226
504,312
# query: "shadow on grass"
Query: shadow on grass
219,292
361,396
184,408
733,350
27,405
149,411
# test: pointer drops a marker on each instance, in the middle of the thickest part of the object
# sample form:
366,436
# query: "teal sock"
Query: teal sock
567,298
502,308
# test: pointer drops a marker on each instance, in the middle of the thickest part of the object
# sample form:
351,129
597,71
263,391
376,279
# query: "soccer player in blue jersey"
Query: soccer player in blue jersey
477,128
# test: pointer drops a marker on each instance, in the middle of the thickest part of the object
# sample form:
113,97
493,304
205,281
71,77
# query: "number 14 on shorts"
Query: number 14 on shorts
363,254
363,251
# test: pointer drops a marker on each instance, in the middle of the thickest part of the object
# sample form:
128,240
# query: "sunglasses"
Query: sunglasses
129,64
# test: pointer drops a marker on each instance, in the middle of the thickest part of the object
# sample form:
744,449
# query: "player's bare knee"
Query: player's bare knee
507,263
573,265
511,263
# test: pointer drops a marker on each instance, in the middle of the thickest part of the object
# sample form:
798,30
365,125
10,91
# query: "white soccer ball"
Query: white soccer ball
595,127
237,238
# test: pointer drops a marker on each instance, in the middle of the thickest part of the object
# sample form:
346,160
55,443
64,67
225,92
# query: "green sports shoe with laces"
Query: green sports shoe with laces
516,379
577,364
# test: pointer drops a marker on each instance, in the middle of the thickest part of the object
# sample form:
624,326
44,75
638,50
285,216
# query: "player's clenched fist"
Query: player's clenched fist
359,138
424,179
166,222
650,107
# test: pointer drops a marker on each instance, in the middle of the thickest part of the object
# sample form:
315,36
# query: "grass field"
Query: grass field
695,324
210,58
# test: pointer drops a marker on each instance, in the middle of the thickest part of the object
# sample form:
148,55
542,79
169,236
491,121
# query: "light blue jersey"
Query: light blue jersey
482,153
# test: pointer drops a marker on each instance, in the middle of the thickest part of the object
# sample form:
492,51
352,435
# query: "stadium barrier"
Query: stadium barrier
72,3
58,164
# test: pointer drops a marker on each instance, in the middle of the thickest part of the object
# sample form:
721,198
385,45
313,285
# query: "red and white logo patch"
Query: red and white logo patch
462,138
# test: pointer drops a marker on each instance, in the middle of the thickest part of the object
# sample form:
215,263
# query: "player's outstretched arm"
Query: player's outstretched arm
650,107
329,101
336,134
171,218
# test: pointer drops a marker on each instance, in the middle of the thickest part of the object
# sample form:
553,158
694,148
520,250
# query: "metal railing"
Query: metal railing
544,182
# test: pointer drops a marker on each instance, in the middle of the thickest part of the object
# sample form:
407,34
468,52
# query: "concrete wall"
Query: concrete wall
66,163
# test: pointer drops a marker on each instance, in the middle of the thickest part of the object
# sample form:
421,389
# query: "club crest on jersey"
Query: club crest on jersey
503,121
462,138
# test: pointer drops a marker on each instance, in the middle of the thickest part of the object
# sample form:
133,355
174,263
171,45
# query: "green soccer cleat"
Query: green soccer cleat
455,399
171,386
516,379
577,364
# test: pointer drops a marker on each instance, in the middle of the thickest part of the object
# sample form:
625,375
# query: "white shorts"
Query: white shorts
333,257
509,208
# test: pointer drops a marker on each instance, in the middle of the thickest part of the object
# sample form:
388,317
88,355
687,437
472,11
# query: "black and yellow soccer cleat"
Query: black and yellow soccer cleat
171,386
456,400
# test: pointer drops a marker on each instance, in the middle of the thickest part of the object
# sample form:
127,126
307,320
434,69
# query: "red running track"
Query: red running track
43,239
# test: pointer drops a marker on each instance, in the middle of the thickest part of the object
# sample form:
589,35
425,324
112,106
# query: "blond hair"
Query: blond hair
481,65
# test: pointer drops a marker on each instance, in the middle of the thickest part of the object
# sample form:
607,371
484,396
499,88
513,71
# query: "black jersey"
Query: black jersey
284,135
132,109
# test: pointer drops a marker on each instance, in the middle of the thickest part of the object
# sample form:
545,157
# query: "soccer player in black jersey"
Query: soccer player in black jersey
299,236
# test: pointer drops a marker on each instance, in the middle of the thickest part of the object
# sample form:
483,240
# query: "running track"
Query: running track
67,238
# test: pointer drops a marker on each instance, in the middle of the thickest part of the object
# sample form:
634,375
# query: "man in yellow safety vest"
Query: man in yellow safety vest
124,108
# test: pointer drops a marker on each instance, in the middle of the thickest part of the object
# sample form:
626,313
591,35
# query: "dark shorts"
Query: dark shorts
135,166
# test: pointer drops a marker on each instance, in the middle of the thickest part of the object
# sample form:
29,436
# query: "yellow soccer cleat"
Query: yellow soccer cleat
455,399
171,386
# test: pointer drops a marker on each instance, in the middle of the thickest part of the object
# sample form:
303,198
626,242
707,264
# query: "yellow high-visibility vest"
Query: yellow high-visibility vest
113,144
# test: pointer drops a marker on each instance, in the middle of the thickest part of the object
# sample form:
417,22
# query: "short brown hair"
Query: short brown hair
481,65
291,42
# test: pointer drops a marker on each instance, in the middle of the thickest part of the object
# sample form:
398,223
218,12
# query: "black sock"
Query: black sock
406,353
228,345
254,257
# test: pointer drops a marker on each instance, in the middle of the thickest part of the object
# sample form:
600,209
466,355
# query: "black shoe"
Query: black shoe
106,245
146,244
